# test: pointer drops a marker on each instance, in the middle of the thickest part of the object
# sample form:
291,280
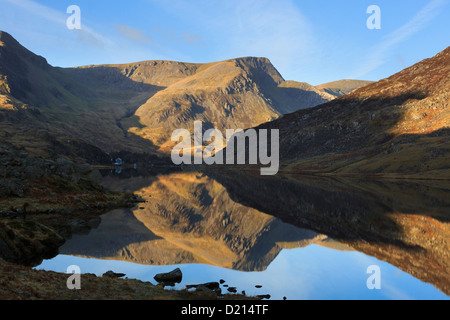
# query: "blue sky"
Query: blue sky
315,41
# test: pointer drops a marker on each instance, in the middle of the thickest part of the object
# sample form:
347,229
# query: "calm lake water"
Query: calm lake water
277,233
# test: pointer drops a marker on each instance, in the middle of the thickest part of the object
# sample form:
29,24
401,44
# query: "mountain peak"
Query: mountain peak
21,70
5,37
260,67
10,48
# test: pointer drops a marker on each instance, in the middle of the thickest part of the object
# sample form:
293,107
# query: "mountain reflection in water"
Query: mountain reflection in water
243,221
188,218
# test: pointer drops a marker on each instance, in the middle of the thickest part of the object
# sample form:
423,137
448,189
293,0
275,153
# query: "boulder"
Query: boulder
173,276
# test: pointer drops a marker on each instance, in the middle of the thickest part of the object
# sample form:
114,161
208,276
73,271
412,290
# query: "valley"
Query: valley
363,166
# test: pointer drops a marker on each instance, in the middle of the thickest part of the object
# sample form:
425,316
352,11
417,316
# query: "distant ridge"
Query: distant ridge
342,87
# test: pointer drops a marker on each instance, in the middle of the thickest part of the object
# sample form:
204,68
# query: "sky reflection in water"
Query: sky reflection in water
313,272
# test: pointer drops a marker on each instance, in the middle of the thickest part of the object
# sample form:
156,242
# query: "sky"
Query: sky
314,41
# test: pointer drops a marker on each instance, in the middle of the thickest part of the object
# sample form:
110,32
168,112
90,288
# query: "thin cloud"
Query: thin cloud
380,53
40,10
31,21
85,34
171,36
133,34
277,30
191,38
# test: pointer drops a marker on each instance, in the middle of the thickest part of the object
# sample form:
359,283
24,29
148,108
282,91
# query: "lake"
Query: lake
293,236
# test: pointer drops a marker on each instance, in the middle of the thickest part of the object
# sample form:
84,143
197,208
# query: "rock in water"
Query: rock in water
232,289
173,276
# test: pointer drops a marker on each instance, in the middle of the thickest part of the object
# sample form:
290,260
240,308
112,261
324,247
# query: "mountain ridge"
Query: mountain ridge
135,106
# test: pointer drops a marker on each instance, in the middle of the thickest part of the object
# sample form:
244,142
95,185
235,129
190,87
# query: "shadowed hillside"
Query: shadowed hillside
398,126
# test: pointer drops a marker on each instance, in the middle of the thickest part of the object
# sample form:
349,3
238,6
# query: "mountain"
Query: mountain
342,87
398,126
227,94
135,107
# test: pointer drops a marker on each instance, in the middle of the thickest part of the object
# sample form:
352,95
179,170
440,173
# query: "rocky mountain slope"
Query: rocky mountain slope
135,107
398,126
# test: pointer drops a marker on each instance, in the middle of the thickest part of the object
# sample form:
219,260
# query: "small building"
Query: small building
118,162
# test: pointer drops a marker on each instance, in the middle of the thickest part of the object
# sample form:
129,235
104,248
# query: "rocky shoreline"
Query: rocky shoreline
23,283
